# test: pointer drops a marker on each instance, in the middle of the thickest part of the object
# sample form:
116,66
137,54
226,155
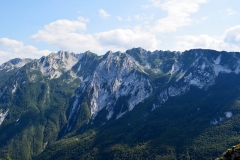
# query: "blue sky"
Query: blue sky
31,29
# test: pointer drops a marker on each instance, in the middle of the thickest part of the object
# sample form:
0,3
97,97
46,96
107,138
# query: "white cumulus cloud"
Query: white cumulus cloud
103,13
123,39
60,27
66,35
230,11
179,14
82,19
15,49
232,35
229,41
144,17
119,18
72,40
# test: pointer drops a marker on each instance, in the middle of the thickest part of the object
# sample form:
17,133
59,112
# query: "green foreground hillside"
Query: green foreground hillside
197,124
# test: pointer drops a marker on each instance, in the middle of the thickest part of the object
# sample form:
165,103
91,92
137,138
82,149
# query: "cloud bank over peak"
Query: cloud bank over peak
230,40
122,39
11,49
232,35
150,24
64,35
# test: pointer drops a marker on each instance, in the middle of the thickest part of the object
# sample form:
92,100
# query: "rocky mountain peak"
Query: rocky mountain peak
66,94
14,64
54,64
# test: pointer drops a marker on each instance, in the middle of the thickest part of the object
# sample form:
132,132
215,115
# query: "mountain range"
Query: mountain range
121,105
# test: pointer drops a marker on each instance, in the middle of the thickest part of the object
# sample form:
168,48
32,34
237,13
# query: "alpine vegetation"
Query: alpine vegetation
122,105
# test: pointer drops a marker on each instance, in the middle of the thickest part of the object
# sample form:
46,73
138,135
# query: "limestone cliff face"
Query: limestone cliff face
129,105
231,154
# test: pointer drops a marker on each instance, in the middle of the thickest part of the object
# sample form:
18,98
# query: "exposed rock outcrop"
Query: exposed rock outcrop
231,154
